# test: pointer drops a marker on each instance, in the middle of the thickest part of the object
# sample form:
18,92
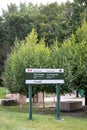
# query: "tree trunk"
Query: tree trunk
77,95
35,98
21,101
43,101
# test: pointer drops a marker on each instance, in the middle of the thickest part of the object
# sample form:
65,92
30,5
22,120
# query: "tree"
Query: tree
19,22
81,33
4,46
28,53
15,22
54,22
79,49
79,8
33,54
62,57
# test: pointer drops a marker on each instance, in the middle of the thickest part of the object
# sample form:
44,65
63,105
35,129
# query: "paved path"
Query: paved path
67,97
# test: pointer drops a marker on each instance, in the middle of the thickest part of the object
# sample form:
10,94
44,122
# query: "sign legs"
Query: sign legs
30,102
57,105
58,102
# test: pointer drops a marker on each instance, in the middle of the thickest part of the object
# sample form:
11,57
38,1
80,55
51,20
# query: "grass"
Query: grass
2,92
14,118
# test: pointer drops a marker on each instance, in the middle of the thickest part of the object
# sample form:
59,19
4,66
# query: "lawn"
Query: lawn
14,118
2,92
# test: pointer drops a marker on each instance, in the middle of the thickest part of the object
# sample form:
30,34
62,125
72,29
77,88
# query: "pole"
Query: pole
58,101
30,102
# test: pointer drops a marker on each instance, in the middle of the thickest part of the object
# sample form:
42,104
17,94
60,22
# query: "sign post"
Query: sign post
30,104
44,76
58,102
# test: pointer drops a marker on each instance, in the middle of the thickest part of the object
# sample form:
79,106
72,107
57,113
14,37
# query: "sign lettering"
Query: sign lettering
44,76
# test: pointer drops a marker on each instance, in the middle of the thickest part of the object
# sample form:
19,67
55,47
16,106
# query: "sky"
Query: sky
4,3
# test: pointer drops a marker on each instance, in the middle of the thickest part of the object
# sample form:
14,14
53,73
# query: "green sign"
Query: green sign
44,76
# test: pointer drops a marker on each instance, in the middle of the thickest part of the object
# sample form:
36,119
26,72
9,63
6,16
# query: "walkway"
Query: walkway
66,97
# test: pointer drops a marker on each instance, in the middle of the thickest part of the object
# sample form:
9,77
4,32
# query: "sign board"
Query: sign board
44,76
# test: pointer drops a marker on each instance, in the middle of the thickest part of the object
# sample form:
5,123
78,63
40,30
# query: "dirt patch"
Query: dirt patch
48,110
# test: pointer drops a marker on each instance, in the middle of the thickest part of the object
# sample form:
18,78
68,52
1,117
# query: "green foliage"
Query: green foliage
79,51
26,54
81,33
80,65
52,21
62,57
72,56
33,54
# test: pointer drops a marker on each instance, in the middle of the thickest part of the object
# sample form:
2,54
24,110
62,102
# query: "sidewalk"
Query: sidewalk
66,97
